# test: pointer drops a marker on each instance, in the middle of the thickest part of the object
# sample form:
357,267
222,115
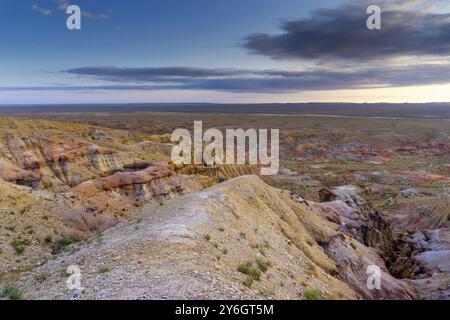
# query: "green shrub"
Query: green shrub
248,281
312,294
12,292
59,245
19,245
263,265
103,269
247,268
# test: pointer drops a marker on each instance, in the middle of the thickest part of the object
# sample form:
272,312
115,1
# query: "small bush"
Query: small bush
41,277
103,269
24,210
207,237
48,239
12,292
62,243
19,245
263,265
65,273
312,294
248,281
99,238
250,270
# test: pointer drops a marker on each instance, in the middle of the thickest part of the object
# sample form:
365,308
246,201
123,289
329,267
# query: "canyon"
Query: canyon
108,199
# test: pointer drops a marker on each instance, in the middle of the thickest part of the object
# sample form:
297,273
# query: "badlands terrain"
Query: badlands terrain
98,190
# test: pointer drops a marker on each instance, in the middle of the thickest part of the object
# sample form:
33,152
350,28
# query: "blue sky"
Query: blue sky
39,57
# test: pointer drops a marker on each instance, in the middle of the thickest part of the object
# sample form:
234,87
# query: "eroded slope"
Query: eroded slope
205,245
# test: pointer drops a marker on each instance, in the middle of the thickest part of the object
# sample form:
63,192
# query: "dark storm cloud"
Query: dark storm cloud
164,74
341,34
252,81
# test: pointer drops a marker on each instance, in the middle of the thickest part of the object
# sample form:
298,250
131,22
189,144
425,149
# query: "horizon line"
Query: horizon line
215,103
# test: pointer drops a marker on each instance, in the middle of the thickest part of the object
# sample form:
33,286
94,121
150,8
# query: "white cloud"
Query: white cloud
63,4
43,11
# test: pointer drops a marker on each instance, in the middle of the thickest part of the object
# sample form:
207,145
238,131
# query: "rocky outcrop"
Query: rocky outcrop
11,173
354,261
56,163
135,187
432,261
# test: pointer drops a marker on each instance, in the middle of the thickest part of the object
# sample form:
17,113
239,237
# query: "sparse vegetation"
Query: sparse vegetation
253,270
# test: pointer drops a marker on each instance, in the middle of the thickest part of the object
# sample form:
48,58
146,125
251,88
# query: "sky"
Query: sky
224,51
